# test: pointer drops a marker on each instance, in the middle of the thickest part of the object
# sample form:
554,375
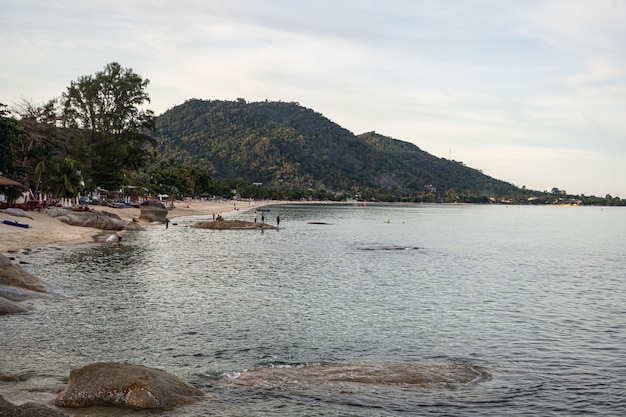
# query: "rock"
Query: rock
16,212
16,284
27,410
125,385
97,219
153,211
10,307
56,211
134,227
9,378
19,294
11,274
332,376
233,225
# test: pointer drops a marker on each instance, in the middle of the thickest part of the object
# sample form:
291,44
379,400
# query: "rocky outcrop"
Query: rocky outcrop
233,225
11,274
27,410
16,285
153,211
97,219
125,385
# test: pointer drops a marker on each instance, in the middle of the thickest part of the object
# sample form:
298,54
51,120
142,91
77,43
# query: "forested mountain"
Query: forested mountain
280,143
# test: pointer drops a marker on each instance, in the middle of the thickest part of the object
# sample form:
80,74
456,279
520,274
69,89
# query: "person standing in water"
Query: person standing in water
277,221
118,238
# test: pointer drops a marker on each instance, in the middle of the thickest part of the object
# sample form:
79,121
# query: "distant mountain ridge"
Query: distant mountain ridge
285,143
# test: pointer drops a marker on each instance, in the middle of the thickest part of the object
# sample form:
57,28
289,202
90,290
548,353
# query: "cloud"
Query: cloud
464,77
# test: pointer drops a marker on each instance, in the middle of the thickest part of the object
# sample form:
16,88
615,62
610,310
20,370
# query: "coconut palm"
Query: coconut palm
65,178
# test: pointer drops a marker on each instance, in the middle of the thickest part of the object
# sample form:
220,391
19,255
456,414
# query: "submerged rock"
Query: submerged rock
233,225
335,376
27,410
125,385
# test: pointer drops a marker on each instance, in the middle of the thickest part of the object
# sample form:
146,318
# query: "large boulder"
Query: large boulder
97,219
125,385
153,211
27,410
11,274
16,284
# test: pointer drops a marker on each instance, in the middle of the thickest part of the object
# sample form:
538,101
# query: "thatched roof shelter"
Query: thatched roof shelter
4,181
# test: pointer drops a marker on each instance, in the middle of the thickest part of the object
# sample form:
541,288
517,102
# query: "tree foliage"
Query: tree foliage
10,135
287,145
109,105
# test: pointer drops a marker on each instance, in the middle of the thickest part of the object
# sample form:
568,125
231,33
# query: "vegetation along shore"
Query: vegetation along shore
94,142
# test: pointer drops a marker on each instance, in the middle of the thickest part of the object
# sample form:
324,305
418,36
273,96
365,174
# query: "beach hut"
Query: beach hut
5,184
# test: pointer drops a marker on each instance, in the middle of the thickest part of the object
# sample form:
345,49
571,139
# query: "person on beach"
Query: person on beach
255,216
277,221
167,223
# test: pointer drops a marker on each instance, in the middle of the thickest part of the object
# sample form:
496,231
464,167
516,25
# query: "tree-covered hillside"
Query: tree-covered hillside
279,143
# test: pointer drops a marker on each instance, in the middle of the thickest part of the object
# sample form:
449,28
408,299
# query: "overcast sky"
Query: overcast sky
532,92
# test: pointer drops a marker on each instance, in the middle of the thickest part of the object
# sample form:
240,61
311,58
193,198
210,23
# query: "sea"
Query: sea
330,314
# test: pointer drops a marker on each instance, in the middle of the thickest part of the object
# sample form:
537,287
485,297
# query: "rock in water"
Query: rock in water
125,385
17,284
14,275
27,410
10,307
153,211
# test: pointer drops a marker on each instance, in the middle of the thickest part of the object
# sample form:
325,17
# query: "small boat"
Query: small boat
14,223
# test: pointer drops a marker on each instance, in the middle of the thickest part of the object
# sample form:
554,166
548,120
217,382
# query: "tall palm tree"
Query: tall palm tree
65,179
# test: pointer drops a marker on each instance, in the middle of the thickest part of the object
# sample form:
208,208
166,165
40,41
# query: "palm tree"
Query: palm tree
65,179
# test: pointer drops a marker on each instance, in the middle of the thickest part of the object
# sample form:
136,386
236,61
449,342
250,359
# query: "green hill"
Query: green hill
280,143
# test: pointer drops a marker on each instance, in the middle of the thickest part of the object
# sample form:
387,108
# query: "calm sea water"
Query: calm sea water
534,297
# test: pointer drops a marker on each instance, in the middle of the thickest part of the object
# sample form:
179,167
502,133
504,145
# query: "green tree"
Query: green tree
10,134
66,178
109,105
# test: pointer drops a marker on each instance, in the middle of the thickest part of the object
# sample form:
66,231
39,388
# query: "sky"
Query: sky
532,92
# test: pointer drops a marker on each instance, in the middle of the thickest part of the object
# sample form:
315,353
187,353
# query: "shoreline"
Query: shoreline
47,231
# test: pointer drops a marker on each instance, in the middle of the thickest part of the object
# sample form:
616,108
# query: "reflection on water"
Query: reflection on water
533,297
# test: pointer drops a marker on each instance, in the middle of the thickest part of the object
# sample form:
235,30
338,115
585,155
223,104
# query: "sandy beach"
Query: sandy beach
46,230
